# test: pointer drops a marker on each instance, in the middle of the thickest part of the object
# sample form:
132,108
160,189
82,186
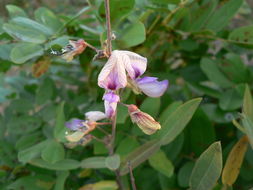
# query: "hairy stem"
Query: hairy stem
108,25
131,176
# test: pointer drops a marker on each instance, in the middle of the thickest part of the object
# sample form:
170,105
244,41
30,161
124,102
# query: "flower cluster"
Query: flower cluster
80,129
122,69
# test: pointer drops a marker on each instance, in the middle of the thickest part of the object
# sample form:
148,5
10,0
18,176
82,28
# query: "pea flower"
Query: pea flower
72,49
113,75
144,121
149,86
81,128
110,101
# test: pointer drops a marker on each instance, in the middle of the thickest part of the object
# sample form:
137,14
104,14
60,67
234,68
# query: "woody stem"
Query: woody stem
108,25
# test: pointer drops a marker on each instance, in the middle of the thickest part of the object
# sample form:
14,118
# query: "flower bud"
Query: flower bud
146,123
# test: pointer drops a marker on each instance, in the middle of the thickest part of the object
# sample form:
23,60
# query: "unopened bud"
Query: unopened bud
146,123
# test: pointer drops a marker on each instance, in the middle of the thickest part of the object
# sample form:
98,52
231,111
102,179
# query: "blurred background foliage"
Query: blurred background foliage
203,47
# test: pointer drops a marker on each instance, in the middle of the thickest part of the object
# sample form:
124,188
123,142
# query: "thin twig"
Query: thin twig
102,130
131,176
108,25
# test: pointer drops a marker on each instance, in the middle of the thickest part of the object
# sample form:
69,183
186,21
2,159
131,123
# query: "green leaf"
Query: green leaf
247,103
45,91
60,128
161,163
242,35
169,110
122,114
127,145
177,121
231,99
200,16
211,69
24,34
61,178
31,24
222,16
48,18
207,169
151,106
139,155
184,174
15,11
32,183
94,162
53,152
132,35
235,69
112,162
199,134
28,140
118,9
22,52
248,126
30,153
66,164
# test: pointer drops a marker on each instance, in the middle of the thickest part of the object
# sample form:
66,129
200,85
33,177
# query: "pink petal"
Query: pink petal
113,75
151,86
137,64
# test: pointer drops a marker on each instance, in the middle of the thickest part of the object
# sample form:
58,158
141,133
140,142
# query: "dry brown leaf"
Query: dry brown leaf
234,161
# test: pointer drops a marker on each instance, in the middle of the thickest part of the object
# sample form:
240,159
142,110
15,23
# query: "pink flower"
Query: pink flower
113,75
110,100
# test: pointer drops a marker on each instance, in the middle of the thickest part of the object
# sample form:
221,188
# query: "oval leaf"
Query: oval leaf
53,152
207,169
24,34
25,51
161,163
112,162
176,122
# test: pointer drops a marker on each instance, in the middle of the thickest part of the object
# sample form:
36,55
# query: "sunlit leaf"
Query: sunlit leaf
101,185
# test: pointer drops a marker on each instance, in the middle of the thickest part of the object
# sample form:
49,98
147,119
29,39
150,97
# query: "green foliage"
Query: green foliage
204,49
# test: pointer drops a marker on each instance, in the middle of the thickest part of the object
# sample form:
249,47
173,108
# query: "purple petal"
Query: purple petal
151,86
75,124
136,65
111,97
113,74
